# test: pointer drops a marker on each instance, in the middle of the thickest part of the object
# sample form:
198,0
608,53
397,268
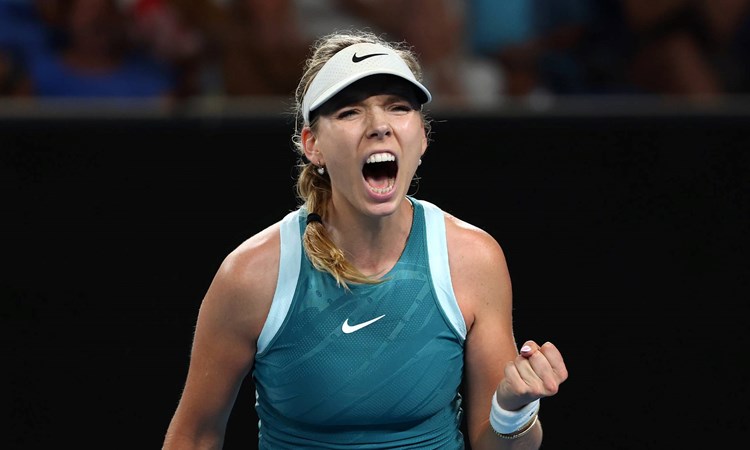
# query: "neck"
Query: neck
372,245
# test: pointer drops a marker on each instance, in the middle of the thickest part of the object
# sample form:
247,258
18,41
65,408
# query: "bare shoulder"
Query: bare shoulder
255,261
244,285
478,268
471,246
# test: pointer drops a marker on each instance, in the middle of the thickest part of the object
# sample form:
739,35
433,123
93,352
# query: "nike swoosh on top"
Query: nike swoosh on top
346,328
356,59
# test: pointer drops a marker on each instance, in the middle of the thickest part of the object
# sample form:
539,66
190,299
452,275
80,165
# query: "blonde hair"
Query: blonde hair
313,188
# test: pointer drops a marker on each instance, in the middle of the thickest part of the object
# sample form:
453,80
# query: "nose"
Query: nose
379,127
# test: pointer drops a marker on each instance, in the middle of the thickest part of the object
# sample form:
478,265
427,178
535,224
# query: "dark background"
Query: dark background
627,238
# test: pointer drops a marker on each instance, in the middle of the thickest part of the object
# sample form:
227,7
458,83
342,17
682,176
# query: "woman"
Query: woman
372,308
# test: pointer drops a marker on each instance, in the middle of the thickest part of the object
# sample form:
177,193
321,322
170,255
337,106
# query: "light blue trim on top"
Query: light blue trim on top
289,267
437,249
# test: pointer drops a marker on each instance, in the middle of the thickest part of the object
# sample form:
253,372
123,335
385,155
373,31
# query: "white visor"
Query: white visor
352,64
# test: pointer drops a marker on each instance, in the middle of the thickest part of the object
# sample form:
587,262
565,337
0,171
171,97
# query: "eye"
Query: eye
346,112
402,107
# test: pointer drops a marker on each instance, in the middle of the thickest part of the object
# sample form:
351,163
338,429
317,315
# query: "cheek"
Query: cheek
414,139
411,126
334,138
339,154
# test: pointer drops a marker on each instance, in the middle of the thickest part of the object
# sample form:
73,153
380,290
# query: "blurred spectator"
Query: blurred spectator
26,28
94,58
8,73
182,34
677,47
237,48
534,41
474,52
690,47
263,48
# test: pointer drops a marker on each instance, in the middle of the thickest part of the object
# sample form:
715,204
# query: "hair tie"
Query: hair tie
312,217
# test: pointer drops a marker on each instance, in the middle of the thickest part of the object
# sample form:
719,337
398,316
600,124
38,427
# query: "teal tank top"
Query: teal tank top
375,368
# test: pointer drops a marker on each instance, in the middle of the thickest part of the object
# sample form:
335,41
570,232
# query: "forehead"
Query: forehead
369,86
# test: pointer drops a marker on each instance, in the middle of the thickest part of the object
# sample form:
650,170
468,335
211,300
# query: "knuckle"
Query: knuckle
551,387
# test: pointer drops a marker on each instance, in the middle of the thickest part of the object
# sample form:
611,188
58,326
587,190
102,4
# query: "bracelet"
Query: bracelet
512,423
520,432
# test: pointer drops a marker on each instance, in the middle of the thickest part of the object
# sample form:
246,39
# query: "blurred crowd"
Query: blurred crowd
474,52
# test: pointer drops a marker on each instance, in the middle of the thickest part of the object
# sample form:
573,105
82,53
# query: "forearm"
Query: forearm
178,441
189,433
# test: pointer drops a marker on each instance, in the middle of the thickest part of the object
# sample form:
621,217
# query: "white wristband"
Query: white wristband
508,422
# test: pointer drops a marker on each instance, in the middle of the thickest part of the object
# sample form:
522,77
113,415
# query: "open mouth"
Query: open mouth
380,172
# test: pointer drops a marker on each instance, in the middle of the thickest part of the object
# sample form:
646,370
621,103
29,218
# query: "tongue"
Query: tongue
377,181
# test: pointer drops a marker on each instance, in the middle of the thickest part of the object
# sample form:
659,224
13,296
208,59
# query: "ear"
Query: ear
310,146
424,142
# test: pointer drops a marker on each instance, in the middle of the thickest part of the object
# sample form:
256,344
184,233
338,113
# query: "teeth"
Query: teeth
383,190
380,157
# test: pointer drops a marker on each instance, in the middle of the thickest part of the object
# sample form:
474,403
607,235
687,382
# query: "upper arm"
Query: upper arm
230,319
483,288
